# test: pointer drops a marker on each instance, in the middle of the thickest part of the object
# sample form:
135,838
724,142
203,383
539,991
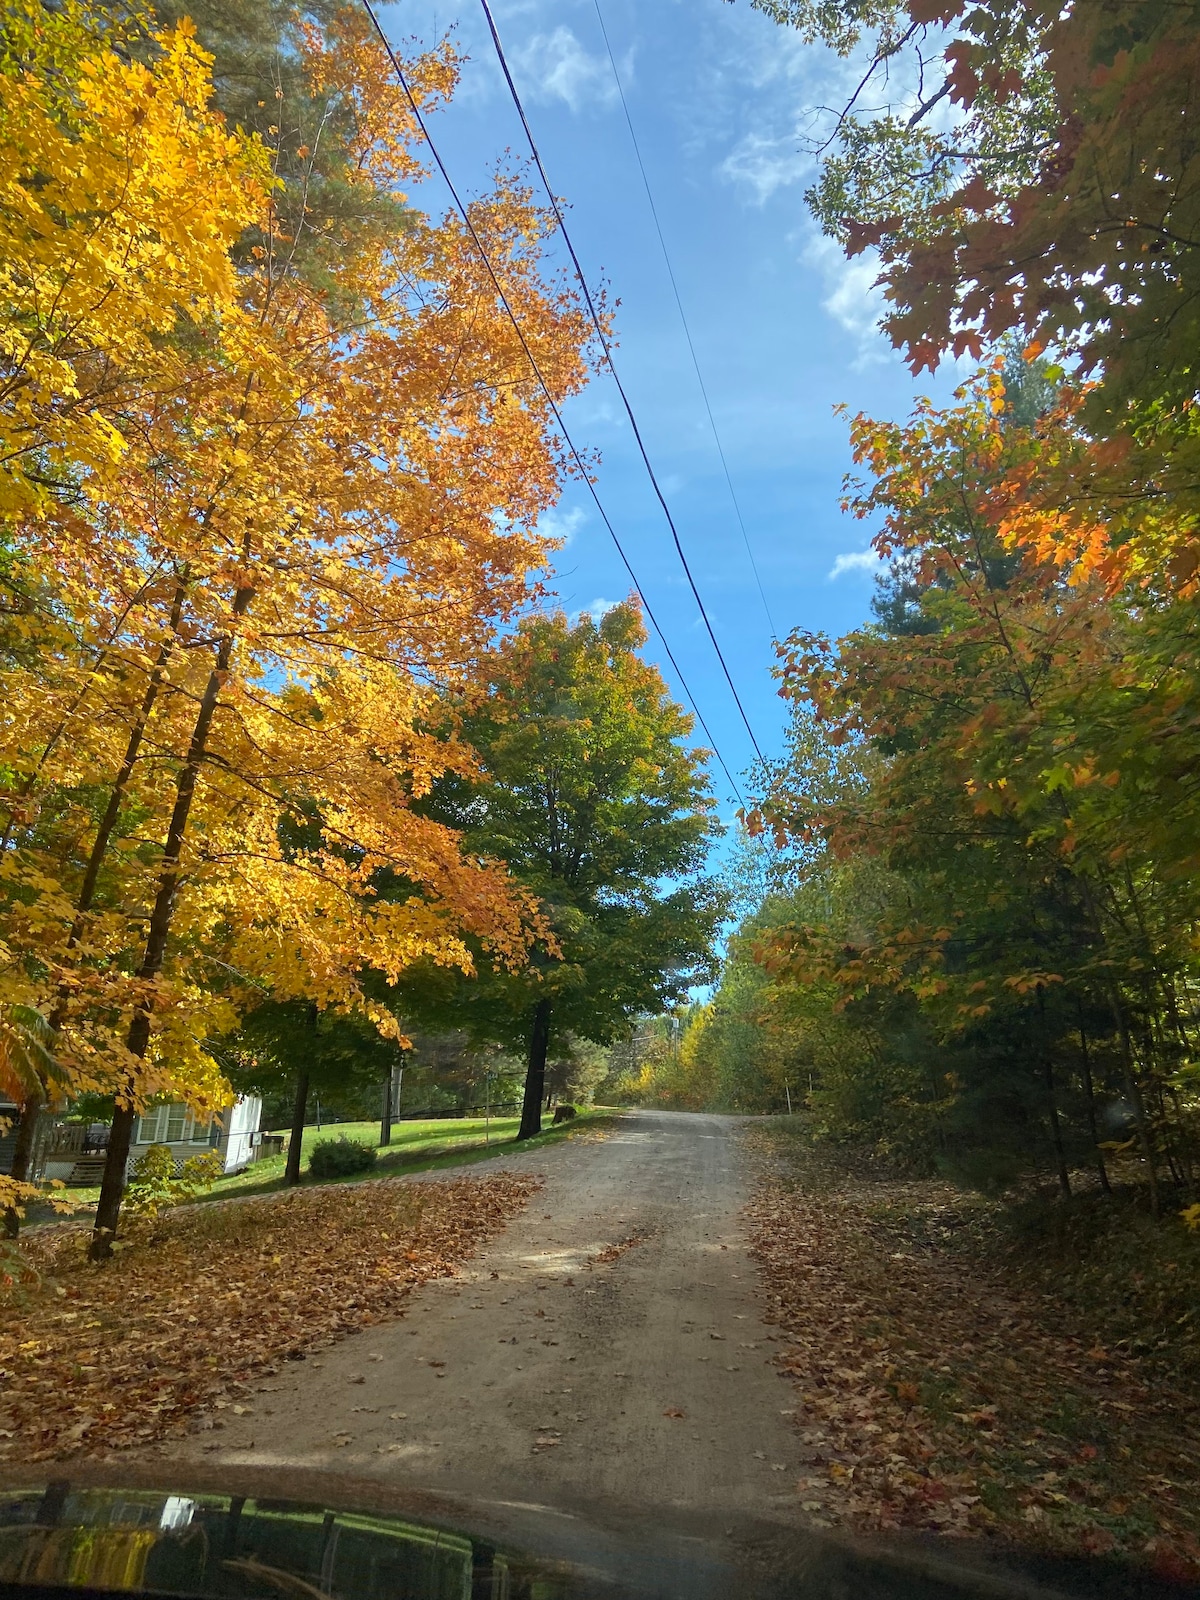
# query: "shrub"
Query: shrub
338,1158
154,1184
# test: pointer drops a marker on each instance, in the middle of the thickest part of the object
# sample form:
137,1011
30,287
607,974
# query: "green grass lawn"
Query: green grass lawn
410,1141
415,1147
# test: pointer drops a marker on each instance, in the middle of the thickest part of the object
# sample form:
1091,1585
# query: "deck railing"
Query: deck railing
73,1139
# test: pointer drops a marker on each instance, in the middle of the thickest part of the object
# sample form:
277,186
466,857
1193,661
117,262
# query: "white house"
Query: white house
75,1153
234,1132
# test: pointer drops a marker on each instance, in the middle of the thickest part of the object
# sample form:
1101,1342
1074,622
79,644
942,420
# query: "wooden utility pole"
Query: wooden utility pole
385,1123
391,1101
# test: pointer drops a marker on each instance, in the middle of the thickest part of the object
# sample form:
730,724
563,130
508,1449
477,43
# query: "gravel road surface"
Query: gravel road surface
608,1348
595,1388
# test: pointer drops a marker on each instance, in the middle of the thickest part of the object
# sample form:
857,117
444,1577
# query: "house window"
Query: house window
171,1125
149,1124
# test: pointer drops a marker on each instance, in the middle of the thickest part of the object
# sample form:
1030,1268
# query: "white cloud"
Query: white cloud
597,610
851,298
562,525
764,165
855,561
559,67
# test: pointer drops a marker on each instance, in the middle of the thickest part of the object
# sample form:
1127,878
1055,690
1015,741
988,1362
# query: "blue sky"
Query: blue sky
783,325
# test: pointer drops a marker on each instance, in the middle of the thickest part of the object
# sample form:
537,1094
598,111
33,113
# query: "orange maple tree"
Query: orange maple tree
325,503
1021,733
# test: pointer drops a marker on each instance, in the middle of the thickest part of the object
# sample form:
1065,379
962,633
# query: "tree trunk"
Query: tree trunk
292,1171
22,1160
1064,1176
137,1040
1134,1091
535,1076
385,1123
112,1185
1089,1090
27,1130
137,733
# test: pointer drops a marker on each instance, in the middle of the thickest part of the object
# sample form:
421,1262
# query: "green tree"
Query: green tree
262,81
589,792
1022,754
293,1045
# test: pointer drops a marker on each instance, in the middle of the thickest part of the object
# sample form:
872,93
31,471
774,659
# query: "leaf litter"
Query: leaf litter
613,1252
937,1396
206,1300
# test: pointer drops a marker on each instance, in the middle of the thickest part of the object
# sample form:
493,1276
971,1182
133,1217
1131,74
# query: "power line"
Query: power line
687,332
553,404
604,345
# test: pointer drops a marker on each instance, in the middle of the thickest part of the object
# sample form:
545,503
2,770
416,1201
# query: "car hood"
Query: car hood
285,1535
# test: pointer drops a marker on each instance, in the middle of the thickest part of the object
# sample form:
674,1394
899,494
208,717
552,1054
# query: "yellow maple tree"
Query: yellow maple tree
325,505
121,193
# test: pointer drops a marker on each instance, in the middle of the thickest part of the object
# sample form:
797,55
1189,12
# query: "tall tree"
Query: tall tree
324,505
124,194
1020,737
588,791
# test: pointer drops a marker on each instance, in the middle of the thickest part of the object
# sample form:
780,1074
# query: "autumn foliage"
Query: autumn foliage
194,1308
1029,171
259,521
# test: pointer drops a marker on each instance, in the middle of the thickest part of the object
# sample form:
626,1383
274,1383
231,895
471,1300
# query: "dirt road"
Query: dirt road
608,1348
597,1388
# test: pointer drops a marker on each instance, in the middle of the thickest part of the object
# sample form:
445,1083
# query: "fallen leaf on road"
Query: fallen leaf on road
199,1312
674,1412
611,1251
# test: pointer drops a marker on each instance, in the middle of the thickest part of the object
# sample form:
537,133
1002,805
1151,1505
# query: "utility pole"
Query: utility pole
385,1122
391,1101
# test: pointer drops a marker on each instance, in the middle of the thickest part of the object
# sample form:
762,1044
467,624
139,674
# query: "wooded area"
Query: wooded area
274,457
968,934
306,782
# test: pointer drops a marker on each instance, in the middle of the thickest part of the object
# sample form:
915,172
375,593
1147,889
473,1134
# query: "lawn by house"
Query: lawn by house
415,1146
